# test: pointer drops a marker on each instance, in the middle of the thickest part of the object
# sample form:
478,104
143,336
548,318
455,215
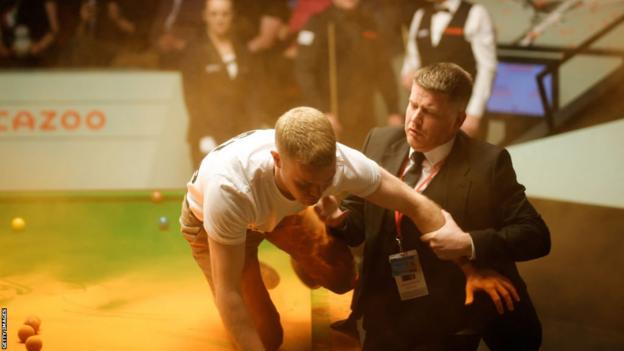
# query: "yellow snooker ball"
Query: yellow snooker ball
18,224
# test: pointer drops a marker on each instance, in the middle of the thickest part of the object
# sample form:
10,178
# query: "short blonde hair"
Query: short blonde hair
448,79
305,135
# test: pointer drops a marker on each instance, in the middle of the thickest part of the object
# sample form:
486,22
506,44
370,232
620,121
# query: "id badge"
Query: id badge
408,275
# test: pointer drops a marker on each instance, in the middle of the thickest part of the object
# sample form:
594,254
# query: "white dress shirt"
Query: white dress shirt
431,163
479,31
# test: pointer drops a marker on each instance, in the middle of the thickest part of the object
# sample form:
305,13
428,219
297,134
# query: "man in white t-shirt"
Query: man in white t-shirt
246,186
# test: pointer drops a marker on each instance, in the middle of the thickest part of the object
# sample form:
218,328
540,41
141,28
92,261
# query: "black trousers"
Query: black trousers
519,330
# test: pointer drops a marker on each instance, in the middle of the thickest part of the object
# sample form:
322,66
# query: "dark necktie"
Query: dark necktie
412,175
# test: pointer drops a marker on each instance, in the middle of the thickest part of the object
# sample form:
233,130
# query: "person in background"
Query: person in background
261,23
303,10
176,23
461,32
102,29
362,66
216,72
263,26
141,14
28,30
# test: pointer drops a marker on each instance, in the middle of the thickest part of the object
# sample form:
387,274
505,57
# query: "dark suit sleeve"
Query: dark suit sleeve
353,229
520,233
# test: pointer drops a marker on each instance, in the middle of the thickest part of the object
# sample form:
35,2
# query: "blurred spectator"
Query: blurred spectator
393,18
68,22
216,74
101,33
362,67
303,10
142,14
261,22
301,14
263,25
258,24
176,23
28,29
136,50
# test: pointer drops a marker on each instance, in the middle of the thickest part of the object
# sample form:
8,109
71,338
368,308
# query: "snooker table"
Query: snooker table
102,273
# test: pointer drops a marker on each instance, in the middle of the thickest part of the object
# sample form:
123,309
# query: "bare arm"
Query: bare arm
394,194
270,28
116,15
426,214
227,268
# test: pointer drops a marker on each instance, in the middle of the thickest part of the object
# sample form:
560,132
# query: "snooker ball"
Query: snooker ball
163,223
24,332
34,343
34,322
18,224
156,196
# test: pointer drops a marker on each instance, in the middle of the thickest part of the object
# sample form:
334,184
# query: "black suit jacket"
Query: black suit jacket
477,186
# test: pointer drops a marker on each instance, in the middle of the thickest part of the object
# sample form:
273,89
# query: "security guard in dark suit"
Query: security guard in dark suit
492,223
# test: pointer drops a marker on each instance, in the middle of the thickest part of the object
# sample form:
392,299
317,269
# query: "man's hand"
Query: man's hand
122,23
35,49
449,242
497,286
329,212
269,33
169,42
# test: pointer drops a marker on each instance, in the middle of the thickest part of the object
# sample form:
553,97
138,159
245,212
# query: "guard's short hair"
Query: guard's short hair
305,135
446,78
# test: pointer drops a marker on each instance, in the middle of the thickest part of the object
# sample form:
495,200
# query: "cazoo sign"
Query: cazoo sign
51,120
